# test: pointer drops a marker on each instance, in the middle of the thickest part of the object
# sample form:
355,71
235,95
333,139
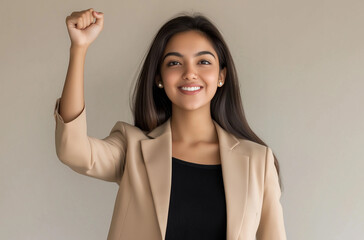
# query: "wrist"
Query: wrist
78,48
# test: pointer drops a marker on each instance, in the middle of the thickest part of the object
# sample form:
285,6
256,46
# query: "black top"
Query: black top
197,208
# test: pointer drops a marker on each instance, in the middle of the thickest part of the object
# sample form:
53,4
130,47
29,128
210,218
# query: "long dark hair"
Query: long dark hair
151,106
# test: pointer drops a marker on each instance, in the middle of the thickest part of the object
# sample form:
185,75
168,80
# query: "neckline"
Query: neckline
206,166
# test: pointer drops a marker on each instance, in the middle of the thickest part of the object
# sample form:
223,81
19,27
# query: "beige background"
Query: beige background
300,65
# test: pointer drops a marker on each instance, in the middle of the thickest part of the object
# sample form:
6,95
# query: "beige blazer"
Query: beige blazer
140,164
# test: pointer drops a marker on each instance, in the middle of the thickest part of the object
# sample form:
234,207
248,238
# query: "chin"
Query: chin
191,106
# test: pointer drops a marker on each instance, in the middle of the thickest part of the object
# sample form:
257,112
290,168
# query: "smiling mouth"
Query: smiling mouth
190,90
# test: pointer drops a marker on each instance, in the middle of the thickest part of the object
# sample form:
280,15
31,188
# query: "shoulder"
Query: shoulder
255,151
128,129
251,147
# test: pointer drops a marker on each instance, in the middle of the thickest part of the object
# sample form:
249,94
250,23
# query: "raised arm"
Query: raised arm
82,31
99,158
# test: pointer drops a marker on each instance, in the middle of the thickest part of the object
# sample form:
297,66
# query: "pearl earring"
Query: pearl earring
220,83
160,85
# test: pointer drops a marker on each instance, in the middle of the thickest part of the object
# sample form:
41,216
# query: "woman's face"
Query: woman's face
190,59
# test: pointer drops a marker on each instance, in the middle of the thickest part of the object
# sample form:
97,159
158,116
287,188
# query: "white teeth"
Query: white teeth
191,88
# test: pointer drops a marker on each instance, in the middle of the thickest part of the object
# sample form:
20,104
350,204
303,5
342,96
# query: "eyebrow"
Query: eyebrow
180,55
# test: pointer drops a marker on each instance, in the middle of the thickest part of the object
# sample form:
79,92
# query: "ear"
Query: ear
157,79
222,75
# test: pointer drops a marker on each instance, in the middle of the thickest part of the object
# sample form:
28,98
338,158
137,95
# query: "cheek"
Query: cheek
171,78
171,75
210,77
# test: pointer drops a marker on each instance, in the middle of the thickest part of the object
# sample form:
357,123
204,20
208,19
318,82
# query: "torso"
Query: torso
204,153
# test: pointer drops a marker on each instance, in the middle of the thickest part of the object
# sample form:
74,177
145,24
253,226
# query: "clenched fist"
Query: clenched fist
81,27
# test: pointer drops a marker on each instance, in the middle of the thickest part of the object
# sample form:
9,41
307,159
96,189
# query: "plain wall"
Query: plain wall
300,67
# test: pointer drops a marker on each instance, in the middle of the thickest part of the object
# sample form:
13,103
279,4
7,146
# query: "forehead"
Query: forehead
189,43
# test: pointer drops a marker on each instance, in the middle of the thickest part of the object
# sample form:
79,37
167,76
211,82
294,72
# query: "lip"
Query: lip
190,85
190,92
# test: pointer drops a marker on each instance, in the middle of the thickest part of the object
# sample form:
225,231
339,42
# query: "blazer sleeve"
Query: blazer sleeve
271,226
99,158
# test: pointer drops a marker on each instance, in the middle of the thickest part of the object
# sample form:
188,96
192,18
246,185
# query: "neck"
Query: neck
192,127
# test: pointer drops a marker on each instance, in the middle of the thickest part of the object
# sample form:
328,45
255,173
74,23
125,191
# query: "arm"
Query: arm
73,94
100,158
271,226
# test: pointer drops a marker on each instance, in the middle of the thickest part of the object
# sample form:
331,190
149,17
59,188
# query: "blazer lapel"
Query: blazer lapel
157,154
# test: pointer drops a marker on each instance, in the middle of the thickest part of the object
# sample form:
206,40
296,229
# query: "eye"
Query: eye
169,64
205,61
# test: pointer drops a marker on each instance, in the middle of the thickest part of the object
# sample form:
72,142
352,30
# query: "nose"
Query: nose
190,72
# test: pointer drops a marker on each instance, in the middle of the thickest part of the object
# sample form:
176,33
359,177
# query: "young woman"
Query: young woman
190,167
